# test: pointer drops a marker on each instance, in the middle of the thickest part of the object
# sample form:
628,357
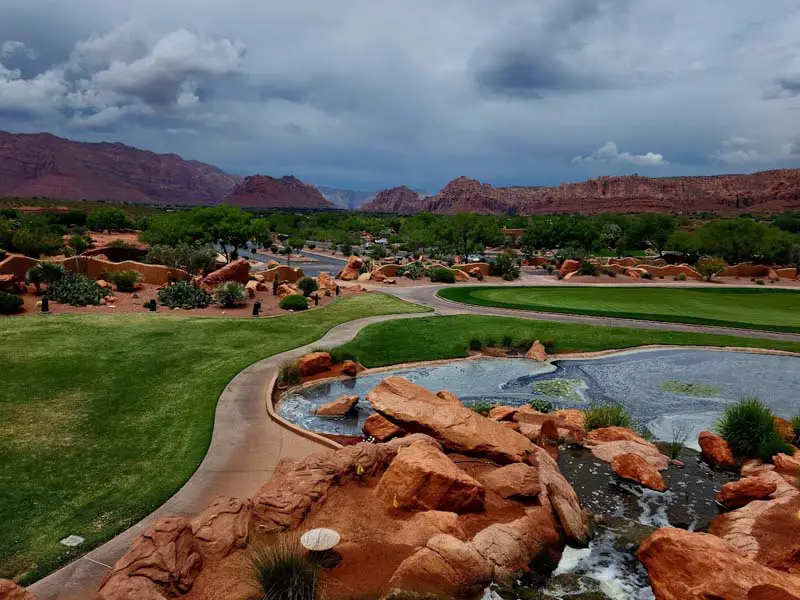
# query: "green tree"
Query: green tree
735,240
37,242
466,233
651,231
709,267
107,219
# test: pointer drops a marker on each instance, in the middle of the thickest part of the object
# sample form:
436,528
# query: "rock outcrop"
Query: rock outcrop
238,271
716,451
351,269
518,481
222,527
608,443
400,201
314,363
736,494
699,566
261,191
537,352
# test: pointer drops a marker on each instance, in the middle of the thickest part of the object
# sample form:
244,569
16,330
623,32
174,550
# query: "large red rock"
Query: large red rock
238,271
262,191
608,443
222,527
699,566
537,352
422,526
458,428
421,477
531,423
716,451
736,494
635,468
351,269
314,363
163,560
514,481
503,413
287,289
382,429
11,591
337,408
326,282
569,266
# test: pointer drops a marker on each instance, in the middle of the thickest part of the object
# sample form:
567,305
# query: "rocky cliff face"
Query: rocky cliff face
767,191
400,200
46,165
261,191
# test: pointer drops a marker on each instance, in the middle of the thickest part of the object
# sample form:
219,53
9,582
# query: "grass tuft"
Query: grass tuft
284,571
749,428
607,415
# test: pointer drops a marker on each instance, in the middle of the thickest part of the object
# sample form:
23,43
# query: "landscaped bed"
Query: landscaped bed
105,416
774,310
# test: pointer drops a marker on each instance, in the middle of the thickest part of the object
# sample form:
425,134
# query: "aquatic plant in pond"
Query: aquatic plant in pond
566,389
688,388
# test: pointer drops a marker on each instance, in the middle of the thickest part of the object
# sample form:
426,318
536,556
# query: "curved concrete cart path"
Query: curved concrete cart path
246,446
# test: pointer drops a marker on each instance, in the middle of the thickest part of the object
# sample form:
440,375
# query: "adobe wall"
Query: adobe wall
484,267
283,273
671,271
95,267
745,270
389,270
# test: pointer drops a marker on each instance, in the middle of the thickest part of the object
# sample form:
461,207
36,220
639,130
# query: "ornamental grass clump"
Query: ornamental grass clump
229,294
288,374
284,571
749,428
125,281
608,415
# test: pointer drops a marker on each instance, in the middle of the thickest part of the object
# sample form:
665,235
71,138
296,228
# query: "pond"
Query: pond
668,391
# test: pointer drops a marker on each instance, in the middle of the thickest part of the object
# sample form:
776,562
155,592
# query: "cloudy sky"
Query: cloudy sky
368,94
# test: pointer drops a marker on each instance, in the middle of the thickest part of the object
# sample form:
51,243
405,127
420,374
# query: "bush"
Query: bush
481,407
192,259
413,270
475,344
124,280
542,405
796,427
709,267
294,302
78,243
441,275
10,303
289,374
37,242
505,266
76,290
307,285
107,219
607,415
680,433
273,248
587,268
184,294
749,428
339,355
311,245
229,294
549,268
646,275
681,277
759,281
284,571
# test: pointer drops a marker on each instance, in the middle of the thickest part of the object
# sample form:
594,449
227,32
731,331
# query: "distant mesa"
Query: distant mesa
399,200
262,191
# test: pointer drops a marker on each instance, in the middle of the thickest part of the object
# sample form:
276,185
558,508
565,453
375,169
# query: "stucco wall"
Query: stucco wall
94,268
671,271
484,267
283,273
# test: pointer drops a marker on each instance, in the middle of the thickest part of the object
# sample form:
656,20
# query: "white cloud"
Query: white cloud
609,153
12,47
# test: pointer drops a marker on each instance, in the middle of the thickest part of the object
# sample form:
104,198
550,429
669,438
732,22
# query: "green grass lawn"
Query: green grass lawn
432,338
104,417
774,310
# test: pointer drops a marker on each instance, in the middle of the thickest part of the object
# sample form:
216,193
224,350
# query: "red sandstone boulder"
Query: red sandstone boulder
165,559
531,423
238,270
514,481
716,451
381,428
503,413
351,269
11,591
607,443
537,352
614,434
784,428
422,526
458,428
573,418
769,592
338,408
569,266
314,363
287,289
326,282
548,437
449,396
423,478
786,464
351,368
736,494
698,566
222,527
635,468
11,284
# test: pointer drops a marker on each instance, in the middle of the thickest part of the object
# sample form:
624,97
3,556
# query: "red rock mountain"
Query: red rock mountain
399,200
261,191
45,165
767,191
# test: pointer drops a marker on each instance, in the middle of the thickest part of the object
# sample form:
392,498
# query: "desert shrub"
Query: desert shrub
45,272
607,415
366,266
505,265
192,259
759,281
542,405
413,270
346,249
184,294
709,267
507,341
587,268
475,344
78,243
107,219
124,280
37,242
339,355
294,302
307,285
441,275
490,342
749,429
681,277
481,407
289,374
796,427
646,275
10,303
76,290
284,571
34,276
121,244
229,294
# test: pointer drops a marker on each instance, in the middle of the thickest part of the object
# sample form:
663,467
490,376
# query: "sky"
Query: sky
366,94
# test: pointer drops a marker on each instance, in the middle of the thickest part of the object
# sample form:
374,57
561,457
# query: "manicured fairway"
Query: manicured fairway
774,310
431,338
104,417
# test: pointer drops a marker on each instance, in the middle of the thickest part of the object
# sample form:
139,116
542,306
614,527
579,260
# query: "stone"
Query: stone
615,434
287,289
238,270
222,527
337,408
364,277
514,481
769,592
784,428
569,266
787,464
421,477
458,428
314,363
163,560
548,437
531,422
382,429
573,418
298,486
736,494
537,352
351,368
475,272
716,451
422,526
326,282
351,269
103,284
449,396
445,568
11,591
503,413
698,566
635,468
607,451
390,281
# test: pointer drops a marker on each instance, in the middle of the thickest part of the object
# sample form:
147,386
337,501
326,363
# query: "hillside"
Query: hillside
261,191
766,191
